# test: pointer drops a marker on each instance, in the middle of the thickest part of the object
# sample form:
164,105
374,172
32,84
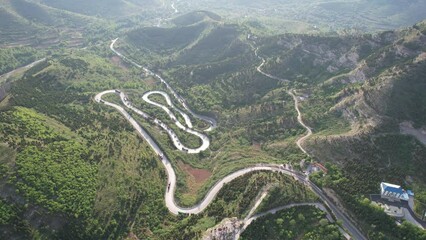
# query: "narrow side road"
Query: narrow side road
300,120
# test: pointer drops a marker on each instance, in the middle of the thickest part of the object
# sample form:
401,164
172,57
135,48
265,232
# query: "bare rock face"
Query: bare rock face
420,57
225,230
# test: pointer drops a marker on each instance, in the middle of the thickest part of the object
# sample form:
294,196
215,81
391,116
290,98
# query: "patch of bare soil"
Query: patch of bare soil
117,61
195,177
132,236
407,128
420,57
150,81
256,145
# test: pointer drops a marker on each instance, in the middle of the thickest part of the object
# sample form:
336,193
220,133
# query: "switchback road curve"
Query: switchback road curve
211,121
171,188
188,128
169,196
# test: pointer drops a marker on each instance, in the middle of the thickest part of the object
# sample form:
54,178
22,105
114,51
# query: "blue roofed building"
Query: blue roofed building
393,192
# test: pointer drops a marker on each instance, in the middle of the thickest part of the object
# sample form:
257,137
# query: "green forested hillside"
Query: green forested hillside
407,100
42,15
12,58
104,8
295,223
72,164
202,43
221,43
67,167
29,23
355,90
50,169
195,17
72,168
165,40
12,27
296,16
32,12
384,90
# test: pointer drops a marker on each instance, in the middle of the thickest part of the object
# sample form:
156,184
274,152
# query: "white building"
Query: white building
393,192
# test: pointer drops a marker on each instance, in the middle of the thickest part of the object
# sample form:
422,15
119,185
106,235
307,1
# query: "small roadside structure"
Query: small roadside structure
315,167
393,192
320,167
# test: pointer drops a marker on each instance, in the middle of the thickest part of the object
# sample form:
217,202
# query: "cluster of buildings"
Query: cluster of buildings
399,203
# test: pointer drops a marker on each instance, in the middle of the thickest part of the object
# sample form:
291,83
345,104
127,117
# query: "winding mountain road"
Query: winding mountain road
209,197
205,140
211,121
259,69
295,99
169,102
346,222
169,196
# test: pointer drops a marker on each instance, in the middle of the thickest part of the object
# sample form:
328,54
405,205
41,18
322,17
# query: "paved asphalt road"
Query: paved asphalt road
7,75
170,190
210,120
188,128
